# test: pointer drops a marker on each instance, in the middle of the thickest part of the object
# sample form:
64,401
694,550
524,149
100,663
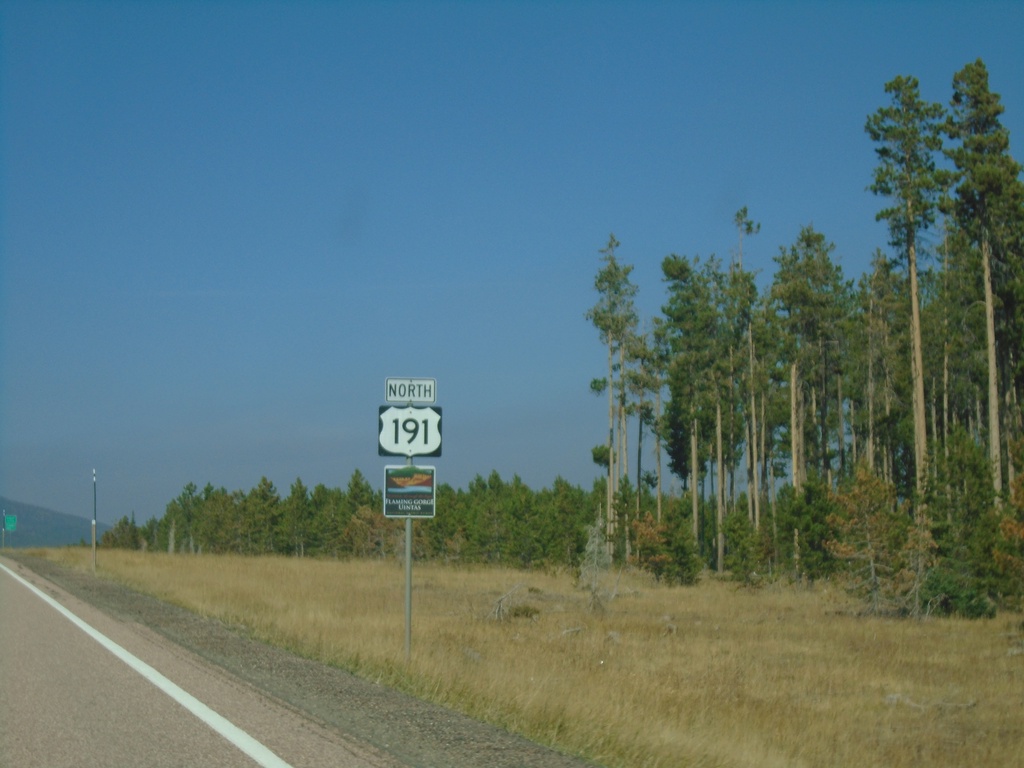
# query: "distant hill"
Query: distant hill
38,527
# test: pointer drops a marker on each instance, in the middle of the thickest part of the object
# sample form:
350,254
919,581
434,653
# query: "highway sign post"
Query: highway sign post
10,526
94,521
409,491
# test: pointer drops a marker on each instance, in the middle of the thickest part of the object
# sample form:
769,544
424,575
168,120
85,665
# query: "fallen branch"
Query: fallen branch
898,698
501,608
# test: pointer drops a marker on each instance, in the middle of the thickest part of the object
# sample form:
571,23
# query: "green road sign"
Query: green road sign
10,522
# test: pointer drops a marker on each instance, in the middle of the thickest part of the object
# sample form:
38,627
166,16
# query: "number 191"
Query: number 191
411,427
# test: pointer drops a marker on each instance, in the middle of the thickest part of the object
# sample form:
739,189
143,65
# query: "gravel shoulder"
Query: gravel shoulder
415,732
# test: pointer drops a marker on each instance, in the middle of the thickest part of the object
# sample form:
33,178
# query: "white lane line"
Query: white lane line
218,723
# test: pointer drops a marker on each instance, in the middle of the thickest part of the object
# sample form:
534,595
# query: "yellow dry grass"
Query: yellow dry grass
714,675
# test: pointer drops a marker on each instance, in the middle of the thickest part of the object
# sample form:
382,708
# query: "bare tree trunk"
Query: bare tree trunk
623,433
917,375
753,437
610,490
1013,415
639,476
994,443
935,424
945,350
794,438
657,447
771,504
720,514
732,431
842,429
764,444
694,473
750,473
871,383
826,461
622,516
870,449
853,434
796,553
887,456
814,411
945,400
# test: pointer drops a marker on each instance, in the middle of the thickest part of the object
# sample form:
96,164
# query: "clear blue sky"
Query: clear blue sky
224,224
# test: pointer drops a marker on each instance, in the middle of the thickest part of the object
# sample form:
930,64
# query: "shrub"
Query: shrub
948,592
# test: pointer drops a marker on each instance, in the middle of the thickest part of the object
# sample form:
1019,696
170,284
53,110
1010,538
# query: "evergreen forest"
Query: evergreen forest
866,429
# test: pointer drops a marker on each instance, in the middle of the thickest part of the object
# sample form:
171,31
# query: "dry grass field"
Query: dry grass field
713,675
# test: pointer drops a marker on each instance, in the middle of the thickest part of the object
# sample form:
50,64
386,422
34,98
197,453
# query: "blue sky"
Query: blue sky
223,225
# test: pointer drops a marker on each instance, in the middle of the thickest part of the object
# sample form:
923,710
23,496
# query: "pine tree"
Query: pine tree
615,318
745,226
879,375
989,199
869,532
297,518
811,299
690,329
261,512
908,136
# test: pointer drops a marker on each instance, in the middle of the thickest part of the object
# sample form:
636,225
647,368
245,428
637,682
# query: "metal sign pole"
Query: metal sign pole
7,525
408,582
94,522
408,589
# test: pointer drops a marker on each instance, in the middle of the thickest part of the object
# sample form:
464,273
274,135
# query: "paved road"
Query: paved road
103,692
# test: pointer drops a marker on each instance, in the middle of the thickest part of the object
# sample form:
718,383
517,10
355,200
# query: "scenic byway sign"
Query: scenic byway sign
409,491
409,431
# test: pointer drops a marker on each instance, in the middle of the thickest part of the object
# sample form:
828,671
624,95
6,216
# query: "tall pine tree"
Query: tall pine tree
907,133
989,199
615,318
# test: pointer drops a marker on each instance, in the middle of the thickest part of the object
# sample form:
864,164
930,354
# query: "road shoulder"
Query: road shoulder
387,722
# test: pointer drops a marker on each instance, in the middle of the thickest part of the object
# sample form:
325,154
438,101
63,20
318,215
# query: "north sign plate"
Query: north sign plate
408,390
